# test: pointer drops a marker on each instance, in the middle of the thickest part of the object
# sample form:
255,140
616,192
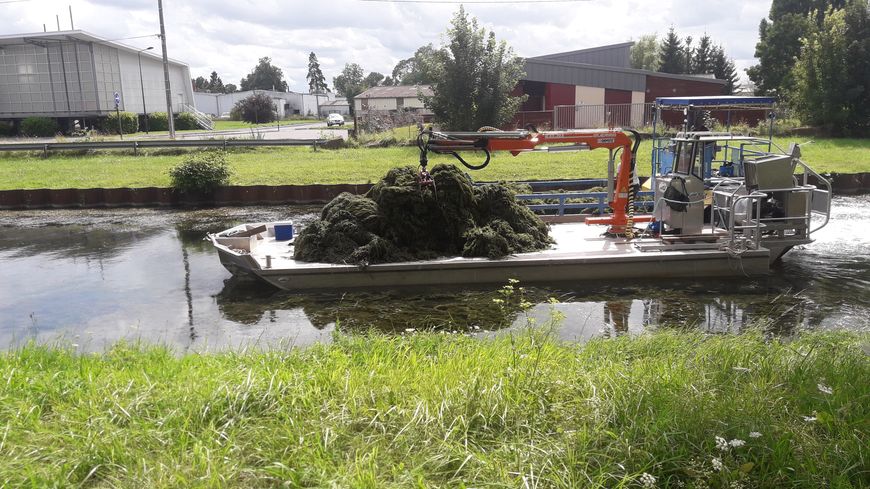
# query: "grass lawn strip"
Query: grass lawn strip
303,165
433,410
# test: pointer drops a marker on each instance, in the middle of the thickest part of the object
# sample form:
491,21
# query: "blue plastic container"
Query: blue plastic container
283,231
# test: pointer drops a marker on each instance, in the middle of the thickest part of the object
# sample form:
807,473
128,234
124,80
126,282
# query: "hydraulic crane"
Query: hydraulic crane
624,185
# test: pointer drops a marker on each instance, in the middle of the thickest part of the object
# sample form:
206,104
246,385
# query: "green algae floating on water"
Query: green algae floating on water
398,221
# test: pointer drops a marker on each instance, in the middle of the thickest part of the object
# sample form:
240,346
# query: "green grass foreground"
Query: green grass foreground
303,165
435,410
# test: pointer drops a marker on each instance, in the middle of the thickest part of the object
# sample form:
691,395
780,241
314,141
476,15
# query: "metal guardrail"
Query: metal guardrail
563,204
168,143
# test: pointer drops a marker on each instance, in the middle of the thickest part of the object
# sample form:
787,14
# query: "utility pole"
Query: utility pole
142,86
166,73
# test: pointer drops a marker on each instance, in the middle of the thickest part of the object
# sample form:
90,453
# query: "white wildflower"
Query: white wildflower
647,480
722,444
809,419
825,389
737,443
409,330
754,434
717,464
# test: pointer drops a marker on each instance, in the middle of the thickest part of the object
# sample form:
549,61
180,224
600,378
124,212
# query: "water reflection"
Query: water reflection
94,277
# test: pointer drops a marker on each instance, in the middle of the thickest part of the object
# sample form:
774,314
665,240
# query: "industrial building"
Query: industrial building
286,103
597,86
389,99
71,75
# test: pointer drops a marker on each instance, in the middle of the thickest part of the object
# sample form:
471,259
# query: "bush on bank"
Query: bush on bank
433,410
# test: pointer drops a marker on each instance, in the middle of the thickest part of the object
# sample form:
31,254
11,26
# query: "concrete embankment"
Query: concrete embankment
255,195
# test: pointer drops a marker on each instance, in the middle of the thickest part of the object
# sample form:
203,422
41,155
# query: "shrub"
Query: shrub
129,123
255,109
41,127
185,121
7,129
158,121
201,172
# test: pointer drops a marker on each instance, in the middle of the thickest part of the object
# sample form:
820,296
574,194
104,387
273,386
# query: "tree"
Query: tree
373,79
265,76
687,57
215,84
702,58
388,82
828,89
779,41
671,54
255,108
473,83
644,54
230,88
349,83
418,69
200,84
316,80
723,68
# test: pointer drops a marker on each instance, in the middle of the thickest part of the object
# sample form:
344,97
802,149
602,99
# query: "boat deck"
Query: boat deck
580,253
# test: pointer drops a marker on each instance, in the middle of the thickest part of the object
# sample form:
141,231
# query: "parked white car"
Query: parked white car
334,120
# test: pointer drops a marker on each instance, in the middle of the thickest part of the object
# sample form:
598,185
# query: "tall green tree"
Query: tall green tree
420,68
828,91
687,56
350,83
779,41
215,84
672,58
644,55
265,76
373,79
316,80
200,84
473,83
702,58
723,68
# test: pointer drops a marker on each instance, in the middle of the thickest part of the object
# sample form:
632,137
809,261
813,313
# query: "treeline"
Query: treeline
676,55
815,55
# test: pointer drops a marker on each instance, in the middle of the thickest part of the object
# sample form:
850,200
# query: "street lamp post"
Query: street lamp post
142,85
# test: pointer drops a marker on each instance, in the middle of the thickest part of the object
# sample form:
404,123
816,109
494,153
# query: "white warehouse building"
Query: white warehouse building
72,75
286,103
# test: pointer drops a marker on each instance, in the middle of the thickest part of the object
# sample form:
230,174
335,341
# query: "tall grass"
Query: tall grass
434,410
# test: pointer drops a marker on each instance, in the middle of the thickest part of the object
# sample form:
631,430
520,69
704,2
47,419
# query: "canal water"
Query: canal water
90,278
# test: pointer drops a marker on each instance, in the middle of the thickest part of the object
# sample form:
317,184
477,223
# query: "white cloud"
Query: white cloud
230,36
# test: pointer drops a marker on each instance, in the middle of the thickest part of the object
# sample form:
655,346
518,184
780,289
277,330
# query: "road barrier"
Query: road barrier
161,143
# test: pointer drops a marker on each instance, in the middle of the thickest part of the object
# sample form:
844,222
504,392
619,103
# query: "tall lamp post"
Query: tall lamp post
142,85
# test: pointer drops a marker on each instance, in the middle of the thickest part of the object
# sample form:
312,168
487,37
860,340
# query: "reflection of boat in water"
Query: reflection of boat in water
759,204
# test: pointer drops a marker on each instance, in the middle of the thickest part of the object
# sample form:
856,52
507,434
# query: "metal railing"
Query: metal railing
202,119
600,201
163,143
605,115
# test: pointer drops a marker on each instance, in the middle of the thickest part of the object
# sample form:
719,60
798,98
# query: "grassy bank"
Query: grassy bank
280,166
432,410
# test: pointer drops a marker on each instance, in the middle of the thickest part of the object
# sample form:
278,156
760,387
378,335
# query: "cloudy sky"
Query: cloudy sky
229,36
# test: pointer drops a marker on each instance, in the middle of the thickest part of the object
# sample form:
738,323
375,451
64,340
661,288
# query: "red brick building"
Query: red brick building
599,77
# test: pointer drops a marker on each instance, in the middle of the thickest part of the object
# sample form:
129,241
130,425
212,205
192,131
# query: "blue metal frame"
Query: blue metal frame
563,197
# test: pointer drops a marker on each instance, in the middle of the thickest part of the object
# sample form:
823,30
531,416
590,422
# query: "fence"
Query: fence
163,143
608,115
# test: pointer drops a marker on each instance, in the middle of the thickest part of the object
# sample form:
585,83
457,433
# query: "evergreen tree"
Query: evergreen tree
474,78
723,68
316,80
702,59
215,84
644,55
265,76
671,55
687,57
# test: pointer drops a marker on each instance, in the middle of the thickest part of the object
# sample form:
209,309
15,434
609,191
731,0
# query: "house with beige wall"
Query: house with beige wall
390,99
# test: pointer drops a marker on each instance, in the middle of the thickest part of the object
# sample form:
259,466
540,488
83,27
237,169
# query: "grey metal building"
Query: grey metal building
73,74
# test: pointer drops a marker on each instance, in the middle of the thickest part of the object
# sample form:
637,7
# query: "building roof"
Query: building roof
596,49
401,91
717,101
335,103
79,35
632,71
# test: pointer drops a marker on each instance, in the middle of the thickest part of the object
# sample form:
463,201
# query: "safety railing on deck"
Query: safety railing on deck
562,203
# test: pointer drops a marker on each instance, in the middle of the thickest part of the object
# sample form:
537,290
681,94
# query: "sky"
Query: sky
230,36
